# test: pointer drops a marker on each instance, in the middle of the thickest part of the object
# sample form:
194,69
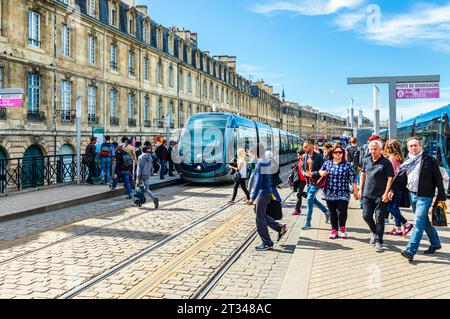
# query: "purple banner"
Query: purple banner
418,91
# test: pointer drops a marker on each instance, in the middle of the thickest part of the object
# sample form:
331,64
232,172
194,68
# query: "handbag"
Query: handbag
322,182
439,215
274,209
237,176
291,179
405,201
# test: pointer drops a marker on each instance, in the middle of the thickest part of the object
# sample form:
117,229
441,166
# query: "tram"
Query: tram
209,141
433,128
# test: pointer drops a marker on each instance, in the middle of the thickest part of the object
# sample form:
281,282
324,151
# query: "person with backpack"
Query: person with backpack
161,152
89,159
106,150
124,169
353,156
144,171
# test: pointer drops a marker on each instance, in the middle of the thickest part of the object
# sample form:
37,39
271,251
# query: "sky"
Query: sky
310,47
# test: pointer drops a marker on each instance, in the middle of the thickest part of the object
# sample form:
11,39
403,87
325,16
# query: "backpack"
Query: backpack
127,161
354,155
105,150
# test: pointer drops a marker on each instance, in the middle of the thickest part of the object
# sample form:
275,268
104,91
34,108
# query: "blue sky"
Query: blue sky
310,47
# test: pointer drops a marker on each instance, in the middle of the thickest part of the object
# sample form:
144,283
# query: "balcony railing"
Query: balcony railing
147,123
114,120
92,119
66,117
36,116
132,122
162,124
2,114
113,66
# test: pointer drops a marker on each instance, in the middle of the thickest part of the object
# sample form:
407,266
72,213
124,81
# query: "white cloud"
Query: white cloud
424,24
307,7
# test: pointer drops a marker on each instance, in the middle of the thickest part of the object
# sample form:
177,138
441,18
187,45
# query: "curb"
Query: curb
80,201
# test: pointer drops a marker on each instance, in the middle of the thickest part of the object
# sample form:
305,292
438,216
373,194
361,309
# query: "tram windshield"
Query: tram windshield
202,140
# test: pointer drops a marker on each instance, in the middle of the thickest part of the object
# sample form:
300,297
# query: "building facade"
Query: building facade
131,73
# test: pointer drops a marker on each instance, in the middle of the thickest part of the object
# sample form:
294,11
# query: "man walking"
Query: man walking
169,153
161,152
89,159
312,164
106,150
123,169
424,177
377,175
144,171
263,196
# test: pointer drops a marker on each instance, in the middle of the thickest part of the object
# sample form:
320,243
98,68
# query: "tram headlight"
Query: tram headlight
199,168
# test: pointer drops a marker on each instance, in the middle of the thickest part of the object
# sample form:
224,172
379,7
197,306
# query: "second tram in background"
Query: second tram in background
221,134
433,128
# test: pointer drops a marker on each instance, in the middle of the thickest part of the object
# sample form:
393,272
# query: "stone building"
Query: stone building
131,73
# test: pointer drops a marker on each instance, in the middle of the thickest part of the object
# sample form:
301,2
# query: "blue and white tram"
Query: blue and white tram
433,128
210,140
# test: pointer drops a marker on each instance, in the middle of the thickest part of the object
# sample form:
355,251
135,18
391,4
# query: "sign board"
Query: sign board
99,133
422,90
11,98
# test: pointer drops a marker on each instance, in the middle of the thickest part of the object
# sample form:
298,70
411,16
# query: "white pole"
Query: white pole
78,115
352,113
376,107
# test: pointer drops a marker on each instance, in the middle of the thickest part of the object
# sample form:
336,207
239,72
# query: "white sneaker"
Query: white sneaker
343,235
372,239
379,248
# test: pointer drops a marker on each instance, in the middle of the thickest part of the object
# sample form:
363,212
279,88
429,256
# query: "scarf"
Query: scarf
409,165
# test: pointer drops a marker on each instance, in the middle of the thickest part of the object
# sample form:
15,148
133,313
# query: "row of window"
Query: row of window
34,101
211,67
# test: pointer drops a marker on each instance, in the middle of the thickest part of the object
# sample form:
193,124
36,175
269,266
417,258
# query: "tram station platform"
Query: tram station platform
45,200
321,268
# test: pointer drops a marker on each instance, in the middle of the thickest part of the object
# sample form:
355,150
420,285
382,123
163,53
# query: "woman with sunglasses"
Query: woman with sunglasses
337,191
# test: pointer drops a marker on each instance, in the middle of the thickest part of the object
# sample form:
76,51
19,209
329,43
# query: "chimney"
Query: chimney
142,9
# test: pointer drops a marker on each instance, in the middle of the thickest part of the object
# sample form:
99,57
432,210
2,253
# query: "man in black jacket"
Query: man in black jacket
312,164
424,177
89,160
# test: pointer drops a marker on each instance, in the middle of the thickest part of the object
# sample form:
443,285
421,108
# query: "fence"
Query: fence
30,172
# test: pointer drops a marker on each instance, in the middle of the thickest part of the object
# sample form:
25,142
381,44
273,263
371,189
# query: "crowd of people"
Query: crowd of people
132,165
379,176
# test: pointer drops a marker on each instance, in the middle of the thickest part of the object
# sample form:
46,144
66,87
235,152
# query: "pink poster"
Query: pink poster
5,102
418,91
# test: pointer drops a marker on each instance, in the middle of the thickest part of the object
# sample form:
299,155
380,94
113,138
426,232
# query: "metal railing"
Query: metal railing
147,123
36,116
132,122
92,119
162,124
31,172
114,120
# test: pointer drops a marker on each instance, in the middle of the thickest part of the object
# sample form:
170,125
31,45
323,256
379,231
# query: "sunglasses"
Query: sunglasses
338,152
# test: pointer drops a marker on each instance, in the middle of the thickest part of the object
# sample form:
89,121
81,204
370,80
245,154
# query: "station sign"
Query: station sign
421,90
11,98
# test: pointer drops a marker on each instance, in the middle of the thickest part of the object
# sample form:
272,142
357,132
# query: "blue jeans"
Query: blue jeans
106,167
394,209
163,168
126,176
421,207
311,200
150,194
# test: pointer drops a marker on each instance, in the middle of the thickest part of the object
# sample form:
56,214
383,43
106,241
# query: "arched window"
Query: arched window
146,30
113,11
131,25
159,38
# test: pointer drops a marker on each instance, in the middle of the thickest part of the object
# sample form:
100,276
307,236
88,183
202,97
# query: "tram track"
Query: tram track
117,222
141,289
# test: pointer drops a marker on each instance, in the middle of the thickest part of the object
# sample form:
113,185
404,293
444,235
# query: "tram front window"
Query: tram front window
204,138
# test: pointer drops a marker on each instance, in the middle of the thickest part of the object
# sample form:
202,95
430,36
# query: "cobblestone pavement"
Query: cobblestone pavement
180,268
322,268
51,271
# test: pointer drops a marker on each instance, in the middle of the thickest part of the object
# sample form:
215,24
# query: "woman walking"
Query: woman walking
337,191
241,169
393,151
299,182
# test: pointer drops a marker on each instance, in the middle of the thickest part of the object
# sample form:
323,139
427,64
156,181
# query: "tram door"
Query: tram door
444,159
